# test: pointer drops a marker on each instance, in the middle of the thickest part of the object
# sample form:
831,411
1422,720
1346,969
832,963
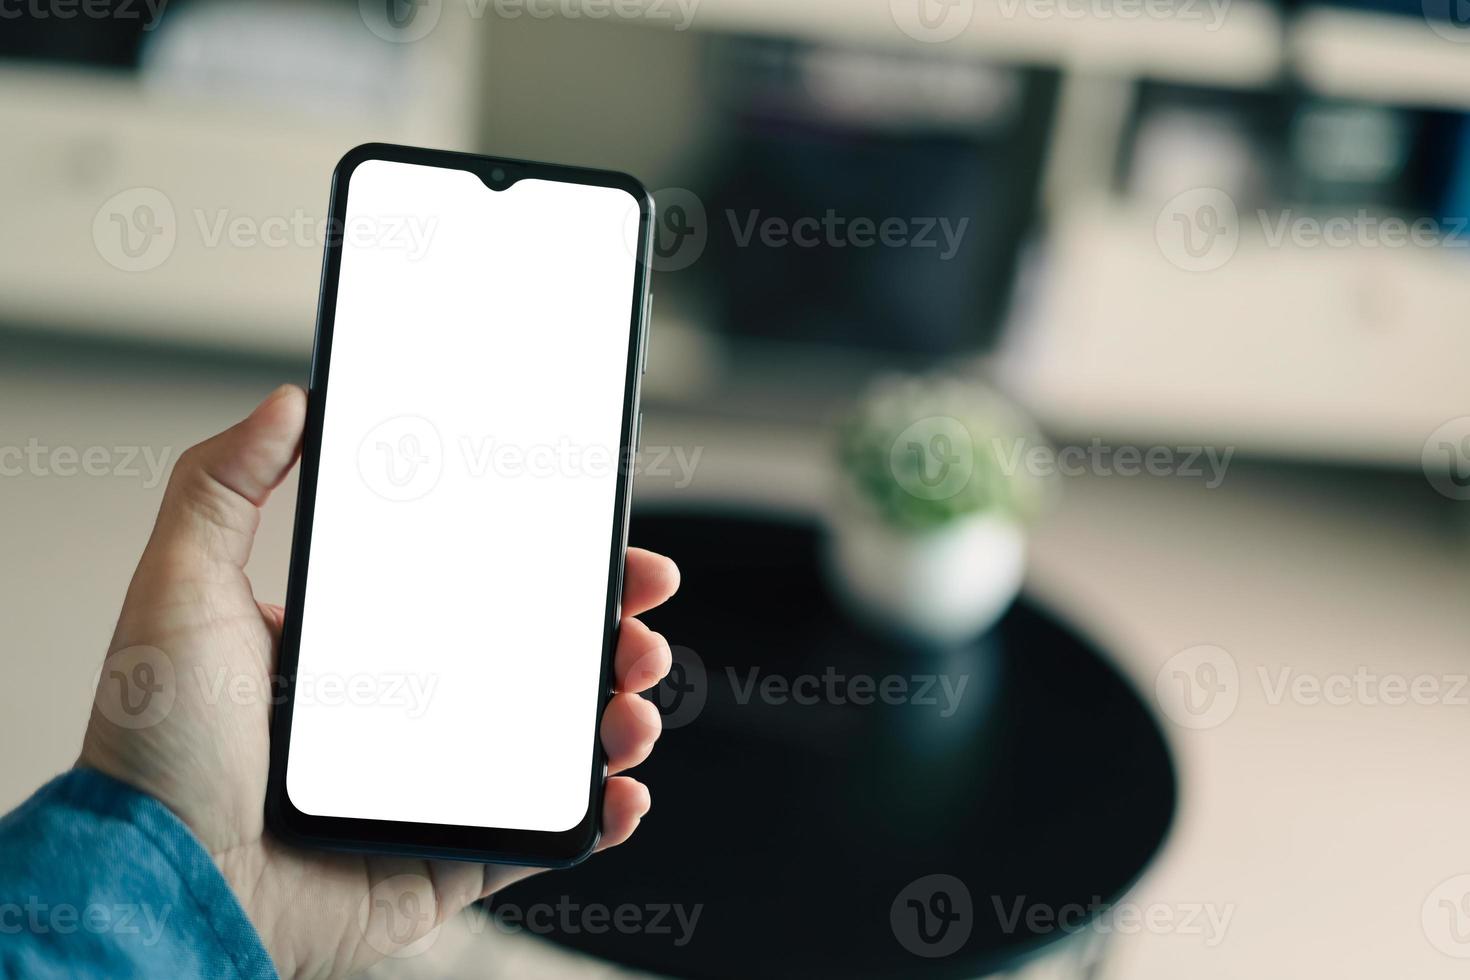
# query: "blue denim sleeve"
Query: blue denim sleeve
100,880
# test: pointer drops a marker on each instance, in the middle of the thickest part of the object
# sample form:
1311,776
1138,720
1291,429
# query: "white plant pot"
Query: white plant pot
947,584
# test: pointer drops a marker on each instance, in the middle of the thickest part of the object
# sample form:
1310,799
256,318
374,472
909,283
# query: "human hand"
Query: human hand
191,628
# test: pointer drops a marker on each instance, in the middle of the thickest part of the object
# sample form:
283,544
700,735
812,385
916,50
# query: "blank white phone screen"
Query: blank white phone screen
456,594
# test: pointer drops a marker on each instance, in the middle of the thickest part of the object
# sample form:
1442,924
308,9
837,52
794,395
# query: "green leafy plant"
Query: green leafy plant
925,451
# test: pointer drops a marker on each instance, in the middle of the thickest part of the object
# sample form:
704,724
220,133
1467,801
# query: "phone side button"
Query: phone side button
643,345
638,433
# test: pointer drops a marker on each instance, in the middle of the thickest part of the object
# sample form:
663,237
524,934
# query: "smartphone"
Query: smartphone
456,570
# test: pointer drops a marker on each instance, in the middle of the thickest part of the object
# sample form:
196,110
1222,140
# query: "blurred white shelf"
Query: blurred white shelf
1241,46
1397,60
1338,354
198,163
76,140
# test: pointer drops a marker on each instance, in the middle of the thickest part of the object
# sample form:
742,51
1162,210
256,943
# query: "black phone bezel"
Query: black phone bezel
489,844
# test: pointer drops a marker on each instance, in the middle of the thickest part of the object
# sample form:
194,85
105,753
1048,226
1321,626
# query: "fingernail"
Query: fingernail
280,392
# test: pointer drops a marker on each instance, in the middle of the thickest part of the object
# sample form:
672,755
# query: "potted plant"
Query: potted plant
927,536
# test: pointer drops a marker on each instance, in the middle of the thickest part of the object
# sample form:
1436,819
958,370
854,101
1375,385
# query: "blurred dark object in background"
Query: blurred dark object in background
952,149
1287,146
34,33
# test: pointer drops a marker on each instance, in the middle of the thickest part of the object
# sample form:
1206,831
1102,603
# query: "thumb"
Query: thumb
211,507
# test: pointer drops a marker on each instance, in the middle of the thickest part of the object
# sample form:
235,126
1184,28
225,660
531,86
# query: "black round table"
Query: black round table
831,801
